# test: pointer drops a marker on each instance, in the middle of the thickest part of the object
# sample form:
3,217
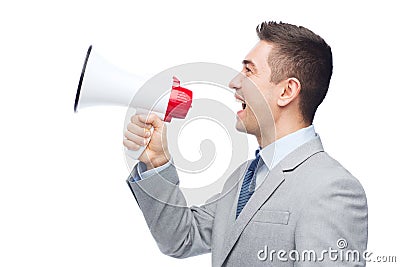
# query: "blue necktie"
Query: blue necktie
246,191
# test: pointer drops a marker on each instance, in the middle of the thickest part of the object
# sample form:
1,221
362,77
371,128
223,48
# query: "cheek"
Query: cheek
259,94
259,102
251,91
262,108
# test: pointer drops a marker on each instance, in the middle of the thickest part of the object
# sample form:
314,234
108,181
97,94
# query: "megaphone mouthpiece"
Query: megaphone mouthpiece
179,103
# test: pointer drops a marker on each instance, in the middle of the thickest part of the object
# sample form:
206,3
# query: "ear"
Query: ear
289,91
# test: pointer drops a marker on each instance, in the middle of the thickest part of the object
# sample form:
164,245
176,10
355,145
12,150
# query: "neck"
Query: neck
269,136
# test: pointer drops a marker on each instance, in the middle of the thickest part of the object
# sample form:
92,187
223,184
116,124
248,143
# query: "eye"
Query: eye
247,70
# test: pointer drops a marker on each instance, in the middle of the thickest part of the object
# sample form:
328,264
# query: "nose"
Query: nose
236,82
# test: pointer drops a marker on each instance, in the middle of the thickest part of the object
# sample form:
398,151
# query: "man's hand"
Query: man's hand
138,134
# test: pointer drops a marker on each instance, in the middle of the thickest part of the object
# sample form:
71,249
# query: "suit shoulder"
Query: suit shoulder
323,171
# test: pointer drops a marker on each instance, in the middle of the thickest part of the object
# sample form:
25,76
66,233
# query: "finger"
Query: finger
135,129
152,119
136,139
135,120
130,145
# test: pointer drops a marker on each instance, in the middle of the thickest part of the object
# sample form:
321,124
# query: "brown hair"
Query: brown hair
298,52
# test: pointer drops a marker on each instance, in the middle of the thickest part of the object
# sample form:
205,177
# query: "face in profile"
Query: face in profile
254,89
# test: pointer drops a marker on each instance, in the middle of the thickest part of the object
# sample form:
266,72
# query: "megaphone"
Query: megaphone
102,83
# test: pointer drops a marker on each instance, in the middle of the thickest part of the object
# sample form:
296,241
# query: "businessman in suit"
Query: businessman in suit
292,198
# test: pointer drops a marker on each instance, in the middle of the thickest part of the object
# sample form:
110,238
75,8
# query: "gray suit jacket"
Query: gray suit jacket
306,204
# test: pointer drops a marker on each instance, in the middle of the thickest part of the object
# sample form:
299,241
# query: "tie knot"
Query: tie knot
254,163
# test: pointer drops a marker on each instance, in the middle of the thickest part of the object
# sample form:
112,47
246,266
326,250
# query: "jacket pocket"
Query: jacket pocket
272,216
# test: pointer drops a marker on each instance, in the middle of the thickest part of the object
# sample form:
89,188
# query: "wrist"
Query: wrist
159,161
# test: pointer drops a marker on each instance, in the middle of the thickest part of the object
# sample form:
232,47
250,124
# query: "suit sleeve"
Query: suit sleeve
335,217
179,231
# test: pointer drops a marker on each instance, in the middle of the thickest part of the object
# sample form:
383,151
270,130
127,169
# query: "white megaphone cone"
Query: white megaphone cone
101,83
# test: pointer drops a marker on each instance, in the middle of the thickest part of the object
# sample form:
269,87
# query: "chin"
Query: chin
240,126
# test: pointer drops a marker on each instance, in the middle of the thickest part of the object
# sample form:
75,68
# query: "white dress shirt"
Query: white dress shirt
273,153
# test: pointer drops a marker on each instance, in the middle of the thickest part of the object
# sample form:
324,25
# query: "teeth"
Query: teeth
241,101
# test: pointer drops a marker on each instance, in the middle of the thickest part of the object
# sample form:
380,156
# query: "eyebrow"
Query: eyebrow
249,62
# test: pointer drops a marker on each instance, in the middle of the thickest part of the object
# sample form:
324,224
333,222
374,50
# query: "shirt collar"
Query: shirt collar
275,152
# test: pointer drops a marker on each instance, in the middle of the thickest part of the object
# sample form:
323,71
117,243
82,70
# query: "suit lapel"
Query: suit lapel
274,179
261,195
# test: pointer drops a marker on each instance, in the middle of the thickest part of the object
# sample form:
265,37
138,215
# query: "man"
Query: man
292,198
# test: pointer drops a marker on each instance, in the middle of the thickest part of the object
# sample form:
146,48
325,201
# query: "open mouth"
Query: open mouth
241,100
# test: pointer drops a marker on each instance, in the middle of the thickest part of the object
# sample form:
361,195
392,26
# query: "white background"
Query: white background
63,197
